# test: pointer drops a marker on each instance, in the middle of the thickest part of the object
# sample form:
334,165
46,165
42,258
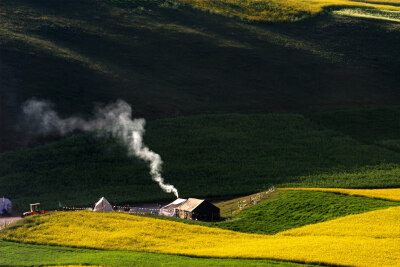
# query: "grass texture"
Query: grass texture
19,254
294,209
225,154
371,14
287,209
379,126
369,239
272,11
130,52
388,194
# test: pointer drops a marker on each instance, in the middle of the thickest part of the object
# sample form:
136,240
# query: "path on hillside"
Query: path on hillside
5,220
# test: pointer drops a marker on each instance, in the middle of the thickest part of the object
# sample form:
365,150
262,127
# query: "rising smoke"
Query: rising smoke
114,118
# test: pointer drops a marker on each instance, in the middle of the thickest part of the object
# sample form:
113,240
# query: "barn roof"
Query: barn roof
190,204
176,203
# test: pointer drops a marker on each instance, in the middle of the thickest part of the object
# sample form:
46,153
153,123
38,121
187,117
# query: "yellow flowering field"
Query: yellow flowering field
380,224
369,239
276,10
388,194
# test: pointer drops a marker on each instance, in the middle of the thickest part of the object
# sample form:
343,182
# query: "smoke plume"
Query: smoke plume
114,118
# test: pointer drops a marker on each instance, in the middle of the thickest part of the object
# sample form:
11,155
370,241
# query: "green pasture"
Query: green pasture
225,155
19,254
294,209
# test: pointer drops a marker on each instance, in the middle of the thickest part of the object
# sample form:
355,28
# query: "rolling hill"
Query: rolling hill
225,155
238,96
170,60
344,241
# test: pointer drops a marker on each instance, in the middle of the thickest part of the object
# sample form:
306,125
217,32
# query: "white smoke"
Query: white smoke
115,119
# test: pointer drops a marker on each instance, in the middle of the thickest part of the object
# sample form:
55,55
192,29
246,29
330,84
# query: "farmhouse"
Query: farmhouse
192,209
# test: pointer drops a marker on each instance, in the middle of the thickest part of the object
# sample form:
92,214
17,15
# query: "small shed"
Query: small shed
197,209
170,209
5,206
103,205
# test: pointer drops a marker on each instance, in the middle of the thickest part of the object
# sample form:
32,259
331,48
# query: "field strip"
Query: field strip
19,254
290,10
387,194
389,16
368,239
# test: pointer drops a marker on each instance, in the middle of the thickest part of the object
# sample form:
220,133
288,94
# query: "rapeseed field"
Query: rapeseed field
369,239
289,10
381,224
389,194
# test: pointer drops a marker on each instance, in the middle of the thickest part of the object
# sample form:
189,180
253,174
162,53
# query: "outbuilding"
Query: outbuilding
170,209
194,209
103,205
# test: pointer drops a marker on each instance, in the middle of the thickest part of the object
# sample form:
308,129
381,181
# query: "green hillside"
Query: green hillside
171,60
294,209
204,156
19,254
373,126
283,210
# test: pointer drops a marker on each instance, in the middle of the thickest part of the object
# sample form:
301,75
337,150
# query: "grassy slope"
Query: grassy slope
282,211
295,209
19,254
224,65
356,238
373,126
370,13
291,209
276,10
225,154
392,194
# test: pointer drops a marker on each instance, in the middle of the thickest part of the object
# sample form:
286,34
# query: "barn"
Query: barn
170,209
197,209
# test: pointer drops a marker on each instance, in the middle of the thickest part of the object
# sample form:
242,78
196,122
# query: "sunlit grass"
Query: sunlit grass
293,209
389,194
369,239
275,10
371,14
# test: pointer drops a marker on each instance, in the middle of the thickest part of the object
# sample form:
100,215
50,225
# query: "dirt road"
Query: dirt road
7,220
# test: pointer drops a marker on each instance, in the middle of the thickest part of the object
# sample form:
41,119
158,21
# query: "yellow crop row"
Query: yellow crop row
369,239
388,194
278,10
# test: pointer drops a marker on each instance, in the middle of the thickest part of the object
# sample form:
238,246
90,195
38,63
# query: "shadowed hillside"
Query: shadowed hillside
204,156
169,60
